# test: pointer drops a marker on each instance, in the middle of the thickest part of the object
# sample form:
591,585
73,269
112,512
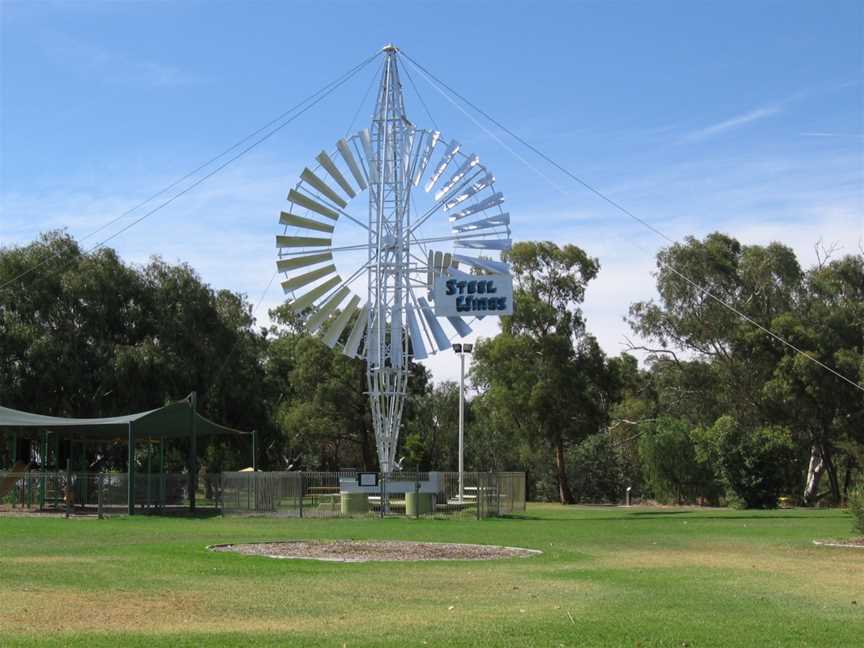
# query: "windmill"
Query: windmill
434,233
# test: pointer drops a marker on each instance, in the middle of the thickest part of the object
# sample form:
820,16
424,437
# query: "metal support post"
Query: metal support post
99,496
12,439
44,466
68,493
193,452
461,426
162,473
130,481
149,469
301,494
479,492
462,349
83,469
255,466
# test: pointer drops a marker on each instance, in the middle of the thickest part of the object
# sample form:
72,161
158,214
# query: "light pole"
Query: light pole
462,349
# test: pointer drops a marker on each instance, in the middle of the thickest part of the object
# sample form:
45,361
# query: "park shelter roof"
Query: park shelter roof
172,420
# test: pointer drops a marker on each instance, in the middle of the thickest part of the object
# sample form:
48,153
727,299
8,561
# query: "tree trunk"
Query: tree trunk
563,483
831,469
365,450
814,475
847,478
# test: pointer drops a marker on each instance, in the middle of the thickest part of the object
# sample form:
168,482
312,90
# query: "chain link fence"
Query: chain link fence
80,492
339,494
293,494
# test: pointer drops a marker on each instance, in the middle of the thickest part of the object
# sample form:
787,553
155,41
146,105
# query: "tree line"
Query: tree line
718,411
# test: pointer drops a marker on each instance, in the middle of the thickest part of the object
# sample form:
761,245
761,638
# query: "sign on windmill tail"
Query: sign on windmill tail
432,229
476,296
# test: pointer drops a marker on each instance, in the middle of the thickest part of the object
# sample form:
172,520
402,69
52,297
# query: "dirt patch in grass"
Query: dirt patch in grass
788,560
854,543
353,551
48,560
798,569
7,511
51,610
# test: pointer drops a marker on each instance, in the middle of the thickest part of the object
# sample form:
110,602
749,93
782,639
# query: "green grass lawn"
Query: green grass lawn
608,577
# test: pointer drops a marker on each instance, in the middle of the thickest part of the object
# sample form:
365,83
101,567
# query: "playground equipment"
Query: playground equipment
8,483
64,448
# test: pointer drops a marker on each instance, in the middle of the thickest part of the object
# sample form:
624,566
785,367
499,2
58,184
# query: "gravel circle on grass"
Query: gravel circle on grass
356,551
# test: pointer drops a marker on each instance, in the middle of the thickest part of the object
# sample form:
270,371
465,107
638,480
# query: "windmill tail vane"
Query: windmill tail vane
377,286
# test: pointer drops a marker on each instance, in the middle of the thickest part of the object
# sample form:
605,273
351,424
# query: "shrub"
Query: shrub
856,508
594,470
673,471
749,461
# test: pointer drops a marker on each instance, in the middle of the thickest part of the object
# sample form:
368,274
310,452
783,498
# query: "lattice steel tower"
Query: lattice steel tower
389,261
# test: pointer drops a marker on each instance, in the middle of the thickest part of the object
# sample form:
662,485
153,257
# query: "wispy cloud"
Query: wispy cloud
732,123
113,66
771,109
153,74
827,134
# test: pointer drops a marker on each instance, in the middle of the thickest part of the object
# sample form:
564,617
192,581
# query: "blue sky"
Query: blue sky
745,117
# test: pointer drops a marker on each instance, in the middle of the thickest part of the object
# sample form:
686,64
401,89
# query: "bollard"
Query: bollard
628,495
417,503
353,503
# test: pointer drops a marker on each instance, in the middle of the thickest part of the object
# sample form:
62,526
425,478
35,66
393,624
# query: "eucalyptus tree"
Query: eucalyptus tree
759,282
544,376
60,326
88,335
326,419
827,412
745,373
431,425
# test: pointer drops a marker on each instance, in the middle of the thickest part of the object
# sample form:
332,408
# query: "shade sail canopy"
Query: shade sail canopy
171,421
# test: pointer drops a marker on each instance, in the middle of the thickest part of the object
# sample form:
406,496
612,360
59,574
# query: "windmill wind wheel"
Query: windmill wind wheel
377,228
